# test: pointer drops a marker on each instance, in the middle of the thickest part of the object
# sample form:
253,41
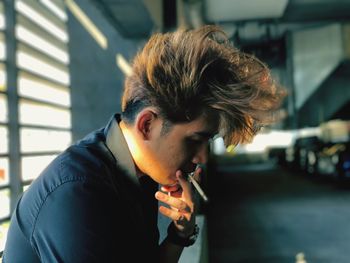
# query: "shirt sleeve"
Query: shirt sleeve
81,222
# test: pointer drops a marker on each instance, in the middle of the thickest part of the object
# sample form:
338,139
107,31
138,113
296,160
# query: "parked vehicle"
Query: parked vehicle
343,166
300,156
324,151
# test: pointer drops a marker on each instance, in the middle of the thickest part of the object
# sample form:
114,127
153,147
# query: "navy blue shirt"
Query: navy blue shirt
88,205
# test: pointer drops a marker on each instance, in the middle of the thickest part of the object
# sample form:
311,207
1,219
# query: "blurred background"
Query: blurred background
284,197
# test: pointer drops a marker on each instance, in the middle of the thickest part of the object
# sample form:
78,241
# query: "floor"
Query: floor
263,213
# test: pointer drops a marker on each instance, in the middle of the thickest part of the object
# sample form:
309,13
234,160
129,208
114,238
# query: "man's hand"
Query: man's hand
182,206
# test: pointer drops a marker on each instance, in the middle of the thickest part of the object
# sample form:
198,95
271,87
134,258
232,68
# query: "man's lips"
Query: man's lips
174,190
171,188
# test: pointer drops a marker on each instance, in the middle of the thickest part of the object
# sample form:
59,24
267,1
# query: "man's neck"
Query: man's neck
132,145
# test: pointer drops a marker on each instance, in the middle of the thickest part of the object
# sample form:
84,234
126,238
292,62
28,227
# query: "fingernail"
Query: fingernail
159,195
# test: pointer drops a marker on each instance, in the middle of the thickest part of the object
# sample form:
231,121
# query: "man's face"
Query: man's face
181,148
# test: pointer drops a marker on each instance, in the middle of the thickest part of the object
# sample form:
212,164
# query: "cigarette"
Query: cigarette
197,186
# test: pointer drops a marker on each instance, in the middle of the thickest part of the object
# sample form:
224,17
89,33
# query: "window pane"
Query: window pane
4,171
40,140
42,90
32,166
3,108
28,11
3,140
2,47
2,77
58,10
35,113
2,21
42,68
4,227
41,44
4,203
2,17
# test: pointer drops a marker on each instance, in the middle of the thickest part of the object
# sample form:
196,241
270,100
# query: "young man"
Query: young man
98,201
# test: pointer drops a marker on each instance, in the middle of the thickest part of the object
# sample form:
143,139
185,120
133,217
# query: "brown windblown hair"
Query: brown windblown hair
188,72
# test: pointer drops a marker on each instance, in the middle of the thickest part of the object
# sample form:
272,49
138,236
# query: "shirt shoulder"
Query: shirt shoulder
79,219
81,165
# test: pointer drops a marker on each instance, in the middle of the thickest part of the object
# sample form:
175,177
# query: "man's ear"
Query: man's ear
144,121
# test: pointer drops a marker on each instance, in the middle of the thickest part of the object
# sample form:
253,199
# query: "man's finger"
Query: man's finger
197,173
185,185
175,215
173,202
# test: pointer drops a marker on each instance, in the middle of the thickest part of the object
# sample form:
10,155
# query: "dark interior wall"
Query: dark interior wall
330,97
96,80
320,74
316,53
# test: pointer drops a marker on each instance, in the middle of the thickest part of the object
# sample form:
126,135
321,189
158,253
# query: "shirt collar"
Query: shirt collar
116,143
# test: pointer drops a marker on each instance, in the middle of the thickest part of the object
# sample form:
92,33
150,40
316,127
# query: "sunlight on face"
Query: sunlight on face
181,148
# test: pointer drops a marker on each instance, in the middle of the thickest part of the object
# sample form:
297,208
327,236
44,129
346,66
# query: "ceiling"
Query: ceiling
130,17
250,19
285,11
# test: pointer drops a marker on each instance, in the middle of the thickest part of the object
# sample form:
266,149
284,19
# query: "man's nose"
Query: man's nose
201,156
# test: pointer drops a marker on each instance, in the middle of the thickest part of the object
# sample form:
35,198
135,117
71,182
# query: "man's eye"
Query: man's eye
195,141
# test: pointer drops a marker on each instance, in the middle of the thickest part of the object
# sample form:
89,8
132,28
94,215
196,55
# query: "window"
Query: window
35,88
35,113
43,140
2,77
34,11
33,62
57,8
4,203
4,171
4,227
2,47
3,140
4,143
2,18
3,108
40,92
42,83
39,43
32,166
